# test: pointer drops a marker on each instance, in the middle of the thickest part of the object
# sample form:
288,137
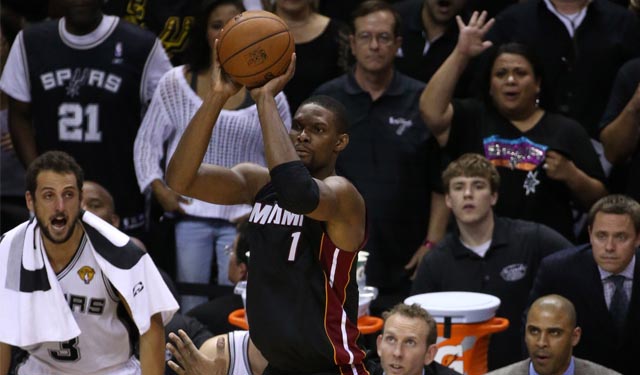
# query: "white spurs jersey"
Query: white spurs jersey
239,353
105,345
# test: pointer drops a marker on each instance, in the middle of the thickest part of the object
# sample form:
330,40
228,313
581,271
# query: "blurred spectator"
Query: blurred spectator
171,21
202,229
600,278
321,47
551,334
620,131
80,84
12,185
429,34
582,44
634,6
487,253
388,155
546,161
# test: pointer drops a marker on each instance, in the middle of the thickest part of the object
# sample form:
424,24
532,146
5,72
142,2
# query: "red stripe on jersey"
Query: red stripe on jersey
341,332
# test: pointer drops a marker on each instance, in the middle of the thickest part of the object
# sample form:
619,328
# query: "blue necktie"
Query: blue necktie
619,302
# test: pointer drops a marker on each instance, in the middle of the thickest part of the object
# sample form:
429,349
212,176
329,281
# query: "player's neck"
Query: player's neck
60,254
477,233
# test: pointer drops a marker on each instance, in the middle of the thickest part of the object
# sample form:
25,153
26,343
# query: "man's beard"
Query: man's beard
47,234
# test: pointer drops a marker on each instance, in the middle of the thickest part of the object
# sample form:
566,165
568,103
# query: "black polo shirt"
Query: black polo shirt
507,271
387,159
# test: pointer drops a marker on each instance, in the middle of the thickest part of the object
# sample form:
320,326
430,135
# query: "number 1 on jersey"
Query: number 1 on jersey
294,246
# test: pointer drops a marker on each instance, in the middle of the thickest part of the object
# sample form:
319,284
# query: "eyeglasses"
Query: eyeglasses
383,39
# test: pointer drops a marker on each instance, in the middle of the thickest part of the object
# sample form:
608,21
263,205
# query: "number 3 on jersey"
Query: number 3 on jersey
68,352
72,126
294,246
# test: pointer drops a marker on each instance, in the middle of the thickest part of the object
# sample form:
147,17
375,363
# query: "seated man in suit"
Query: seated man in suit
598,278
550,335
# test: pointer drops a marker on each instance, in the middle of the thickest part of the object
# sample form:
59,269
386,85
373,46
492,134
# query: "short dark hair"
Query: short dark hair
372,6
332,105
198,51
56,161
414,311
471,165
616,204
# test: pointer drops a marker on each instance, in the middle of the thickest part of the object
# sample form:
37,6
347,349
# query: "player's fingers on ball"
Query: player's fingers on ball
292,65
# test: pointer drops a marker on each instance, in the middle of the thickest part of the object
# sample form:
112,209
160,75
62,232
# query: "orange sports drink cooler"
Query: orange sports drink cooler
465,323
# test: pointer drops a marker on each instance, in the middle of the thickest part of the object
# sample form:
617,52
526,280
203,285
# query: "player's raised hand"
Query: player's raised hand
191,361
276,84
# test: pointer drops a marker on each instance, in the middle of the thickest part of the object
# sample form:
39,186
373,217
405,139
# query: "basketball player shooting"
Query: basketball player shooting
305,228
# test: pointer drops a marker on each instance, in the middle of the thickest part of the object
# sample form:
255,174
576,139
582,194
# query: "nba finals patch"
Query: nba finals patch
86,274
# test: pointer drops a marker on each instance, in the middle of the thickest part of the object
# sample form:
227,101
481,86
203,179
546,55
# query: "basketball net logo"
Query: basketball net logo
86,274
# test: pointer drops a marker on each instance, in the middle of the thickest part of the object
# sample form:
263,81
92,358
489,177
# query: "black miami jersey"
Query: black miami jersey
302,294
86,100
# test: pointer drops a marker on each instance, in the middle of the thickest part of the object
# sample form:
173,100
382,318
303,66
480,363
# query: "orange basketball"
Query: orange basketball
254,47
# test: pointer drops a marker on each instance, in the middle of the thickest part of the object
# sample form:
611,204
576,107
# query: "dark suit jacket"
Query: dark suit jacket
583,367
573,273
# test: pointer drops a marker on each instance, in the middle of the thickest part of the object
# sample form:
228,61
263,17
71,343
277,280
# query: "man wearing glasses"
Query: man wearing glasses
388,154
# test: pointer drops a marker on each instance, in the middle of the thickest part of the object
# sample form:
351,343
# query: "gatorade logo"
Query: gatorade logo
451,356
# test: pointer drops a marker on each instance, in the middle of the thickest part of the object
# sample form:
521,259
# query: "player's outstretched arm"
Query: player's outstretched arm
152,348
208,361
188,176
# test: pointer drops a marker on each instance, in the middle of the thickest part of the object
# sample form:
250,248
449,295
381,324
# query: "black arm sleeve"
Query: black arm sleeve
296,189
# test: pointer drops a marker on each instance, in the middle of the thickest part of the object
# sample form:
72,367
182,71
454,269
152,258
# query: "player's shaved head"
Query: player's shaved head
555,303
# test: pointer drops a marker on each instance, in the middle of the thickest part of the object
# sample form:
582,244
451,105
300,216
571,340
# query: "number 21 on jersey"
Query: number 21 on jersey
79,124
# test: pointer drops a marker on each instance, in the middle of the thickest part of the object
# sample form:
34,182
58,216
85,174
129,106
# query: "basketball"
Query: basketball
254,47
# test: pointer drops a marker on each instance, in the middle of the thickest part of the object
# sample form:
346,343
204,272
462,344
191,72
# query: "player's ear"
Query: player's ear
342,142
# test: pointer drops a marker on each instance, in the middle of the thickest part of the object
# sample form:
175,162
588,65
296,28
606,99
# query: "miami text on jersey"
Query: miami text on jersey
268,214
